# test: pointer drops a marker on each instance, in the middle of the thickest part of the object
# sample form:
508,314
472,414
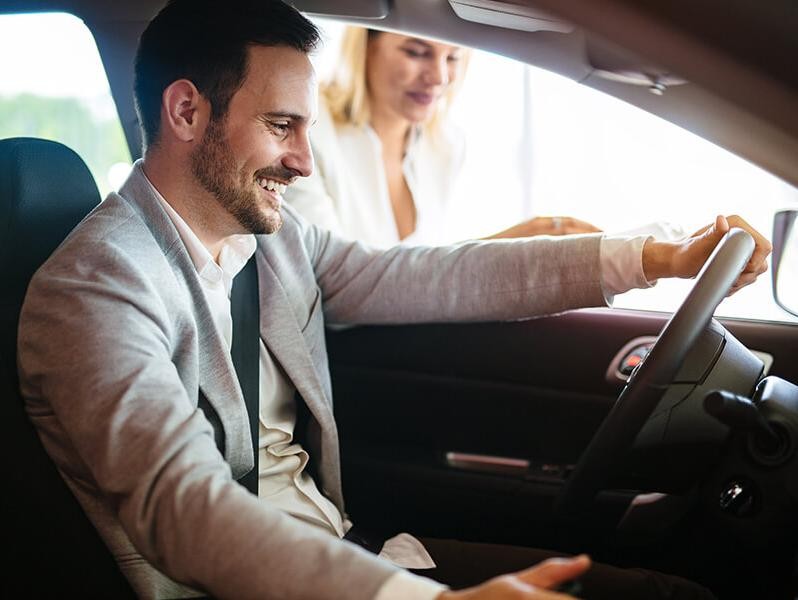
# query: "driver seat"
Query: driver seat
45,191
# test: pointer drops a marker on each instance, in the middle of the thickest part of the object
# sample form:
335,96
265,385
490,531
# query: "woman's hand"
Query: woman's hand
546,226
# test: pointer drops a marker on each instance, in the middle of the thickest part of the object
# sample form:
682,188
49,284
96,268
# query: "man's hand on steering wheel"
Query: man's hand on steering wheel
739,257
685,257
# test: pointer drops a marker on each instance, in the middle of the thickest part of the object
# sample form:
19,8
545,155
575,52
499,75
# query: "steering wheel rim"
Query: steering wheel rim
653,375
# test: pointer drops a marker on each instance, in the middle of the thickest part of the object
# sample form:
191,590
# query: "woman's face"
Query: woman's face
407,76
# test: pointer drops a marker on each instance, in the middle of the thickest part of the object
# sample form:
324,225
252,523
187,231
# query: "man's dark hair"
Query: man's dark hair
206,42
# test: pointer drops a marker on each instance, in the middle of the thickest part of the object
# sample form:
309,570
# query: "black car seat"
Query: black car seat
45,190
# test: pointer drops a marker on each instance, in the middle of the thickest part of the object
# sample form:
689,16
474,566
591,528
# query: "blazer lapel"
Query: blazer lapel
217,378
281,334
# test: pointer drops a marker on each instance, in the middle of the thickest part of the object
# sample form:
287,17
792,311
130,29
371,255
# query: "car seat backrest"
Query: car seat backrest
45,191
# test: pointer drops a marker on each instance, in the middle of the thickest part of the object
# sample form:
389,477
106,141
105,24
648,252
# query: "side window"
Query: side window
538,144
491,111
615,165
55,88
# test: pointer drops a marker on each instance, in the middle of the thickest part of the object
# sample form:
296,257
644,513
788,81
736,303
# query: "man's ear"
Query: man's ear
184,111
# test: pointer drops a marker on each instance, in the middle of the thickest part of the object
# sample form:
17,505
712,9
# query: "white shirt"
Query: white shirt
347,193
282,479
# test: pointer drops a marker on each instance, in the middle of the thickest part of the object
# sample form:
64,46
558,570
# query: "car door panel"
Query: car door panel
527,395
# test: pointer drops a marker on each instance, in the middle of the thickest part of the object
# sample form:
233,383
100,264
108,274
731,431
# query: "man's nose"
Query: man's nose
300,157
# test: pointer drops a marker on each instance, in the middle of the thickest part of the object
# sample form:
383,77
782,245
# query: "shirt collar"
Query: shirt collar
235,252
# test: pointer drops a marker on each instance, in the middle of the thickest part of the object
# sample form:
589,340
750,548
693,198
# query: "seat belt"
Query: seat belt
245,352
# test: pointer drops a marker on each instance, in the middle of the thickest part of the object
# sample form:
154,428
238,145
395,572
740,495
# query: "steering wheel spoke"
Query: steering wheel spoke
690,327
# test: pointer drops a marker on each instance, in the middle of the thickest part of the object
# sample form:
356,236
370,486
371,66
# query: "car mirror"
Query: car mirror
785,260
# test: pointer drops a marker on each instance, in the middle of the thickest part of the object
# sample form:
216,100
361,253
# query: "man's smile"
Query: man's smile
272,185
273,191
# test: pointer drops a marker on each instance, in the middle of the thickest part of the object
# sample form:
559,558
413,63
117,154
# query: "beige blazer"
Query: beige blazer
116,341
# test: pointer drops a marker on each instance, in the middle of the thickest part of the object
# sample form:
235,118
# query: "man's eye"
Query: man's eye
280,127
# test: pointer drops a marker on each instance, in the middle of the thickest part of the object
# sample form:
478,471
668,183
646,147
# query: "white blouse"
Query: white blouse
348,191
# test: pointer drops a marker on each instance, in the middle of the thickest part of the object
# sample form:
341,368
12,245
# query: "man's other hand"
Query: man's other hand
536,583
684,258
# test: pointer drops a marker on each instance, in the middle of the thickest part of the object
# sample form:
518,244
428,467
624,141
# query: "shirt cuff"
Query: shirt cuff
406,586
621,260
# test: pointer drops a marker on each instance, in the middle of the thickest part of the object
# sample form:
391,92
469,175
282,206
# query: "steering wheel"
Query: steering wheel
651,378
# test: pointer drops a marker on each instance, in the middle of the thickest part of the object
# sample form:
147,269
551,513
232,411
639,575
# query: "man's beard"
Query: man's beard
213,166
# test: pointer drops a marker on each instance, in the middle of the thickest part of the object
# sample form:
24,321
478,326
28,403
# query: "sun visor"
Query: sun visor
361,9
509,15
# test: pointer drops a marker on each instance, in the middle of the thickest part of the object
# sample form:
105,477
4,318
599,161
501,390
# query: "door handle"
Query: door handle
484,462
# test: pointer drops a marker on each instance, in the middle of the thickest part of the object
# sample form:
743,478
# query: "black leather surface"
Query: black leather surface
45,190
533,389
54,551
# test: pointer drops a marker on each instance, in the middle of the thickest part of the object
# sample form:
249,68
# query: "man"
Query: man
126,333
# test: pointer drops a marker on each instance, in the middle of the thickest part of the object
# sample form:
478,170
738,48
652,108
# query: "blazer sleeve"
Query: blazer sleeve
95,350
470,281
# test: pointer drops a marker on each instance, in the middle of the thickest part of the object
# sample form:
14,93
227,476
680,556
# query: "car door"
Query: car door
469,430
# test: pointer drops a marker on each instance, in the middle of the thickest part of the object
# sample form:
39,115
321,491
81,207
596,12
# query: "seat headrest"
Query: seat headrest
45,190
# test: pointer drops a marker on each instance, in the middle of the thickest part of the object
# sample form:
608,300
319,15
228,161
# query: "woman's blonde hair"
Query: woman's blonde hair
346,93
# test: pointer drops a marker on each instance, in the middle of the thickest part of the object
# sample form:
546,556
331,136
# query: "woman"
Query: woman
386,158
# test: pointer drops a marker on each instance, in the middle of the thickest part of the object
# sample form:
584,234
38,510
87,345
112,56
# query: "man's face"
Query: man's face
261,146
